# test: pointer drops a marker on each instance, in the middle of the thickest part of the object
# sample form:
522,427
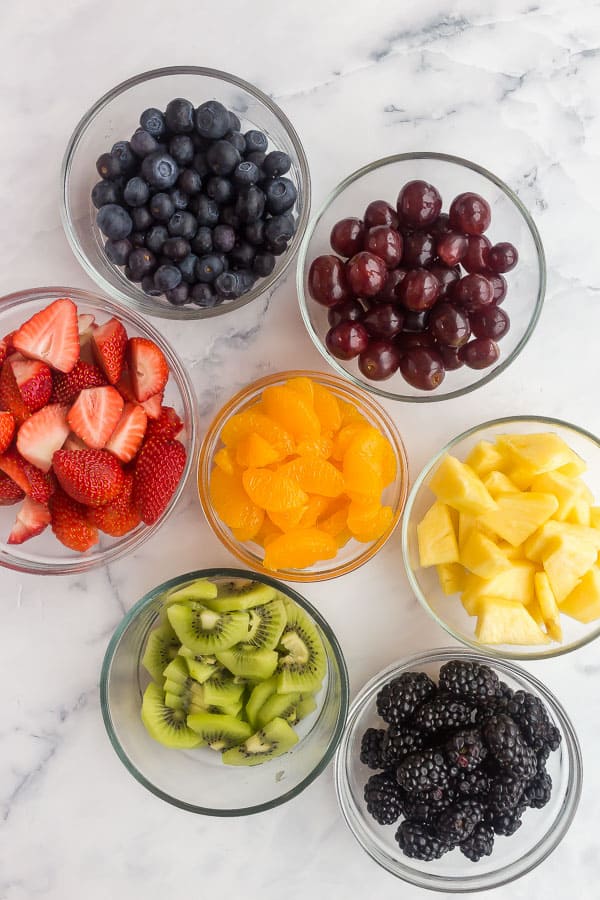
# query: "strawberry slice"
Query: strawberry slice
10,393
74,443
94,415
7,429
85,324
10,492
69,522
51,336
92,477
148,368
67,386
158,470
120,515
167,426
42,434
152,406
110,343
34,379
31,520
29,479
126,439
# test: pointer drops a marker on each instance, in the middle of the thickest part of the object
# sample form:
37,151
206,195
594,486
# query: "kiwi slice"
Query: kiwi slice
219,732
166,725
260,694
161,647
177,670
240,594
199,667
302,661
203,630
275,739
222,689
282,706
248,662
177,701
266,625
306,705
201,589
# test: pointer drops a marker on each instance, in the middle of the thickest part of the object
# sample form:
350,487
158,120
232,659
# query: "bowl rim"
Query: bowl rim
373,387
544,847
354,394
488,649
184,387
140,304
149,598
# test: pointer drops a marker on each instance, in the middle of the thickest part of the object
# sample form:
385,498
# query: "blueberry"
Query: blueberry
114,221
281,195
256,140
212,120
136,192
234,122
106,192
141,262
208,268
161,207
166,278
263,264
222,157
220,189
230,285
242,254
279,230
153,121
204,296
250,203
108,166
199,142
276,163
160,170
228,216
176,248
257,157
246,173
179,116
238,140
179,198
223,238
182,224
190,182
203,241
156,237
141,218
118,251
149,287
179,295
127,159
187,267
182,149
205,210
255,232
200,165
143,143
138,239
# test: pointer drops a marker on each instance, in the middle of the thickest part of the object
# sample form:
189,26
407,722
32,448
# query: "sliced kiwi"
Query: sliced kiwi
201,589
275,739
203,630
222,689
248,662
166,725
306,705
282,706
177,701
161,647
177,670
260,694
219,732
199,667
240,594
266,625
302,663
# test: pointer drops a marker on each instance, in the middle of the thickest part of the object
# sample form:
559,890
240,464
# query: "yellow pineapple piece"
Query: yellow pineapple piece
498,483
583,603
567,564
521,475
595,517
514,584
456,484
580,514
536,614
436,536
546,539
566,490
542,452
518,515
484,457
482,556
502,621
468,523
548,606
576,466
510,552
452,578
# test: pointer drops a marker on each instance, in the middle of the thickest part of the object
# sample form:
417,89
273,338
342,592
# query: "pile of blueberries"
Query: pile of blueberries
191,207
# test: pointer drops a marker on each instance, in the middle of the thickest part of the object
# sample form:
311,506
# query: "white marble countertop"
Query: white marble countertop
512,85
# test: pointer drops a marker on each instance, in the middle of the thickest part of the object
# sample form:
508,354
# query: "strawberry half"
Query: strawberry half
7,429
152,406
34,379
10,393
10,492
158,470
29,479
51,336
92,477
126,439
31,520
69,522
148,368
67,386
167,426
120,515
110,343
42,434
74,443
94,415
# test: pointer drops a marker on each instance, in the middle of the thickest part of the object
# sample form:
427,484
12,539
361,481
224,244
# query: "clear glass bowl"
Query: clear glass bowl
355,553
197,780
44,555
452,175
541,831
114,117
448,611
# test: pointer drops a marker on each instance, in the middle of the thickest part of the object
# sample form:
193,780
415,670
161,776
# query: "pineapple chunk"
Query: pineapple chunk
574,467
580,514
482,556
567,564
519,515
542,452
566,490
514,584
510,552
484,457
452,578
536,614
548,606
546,539
583,603
468,523
521,476
456,484
436,536
498,483
595,517
502,621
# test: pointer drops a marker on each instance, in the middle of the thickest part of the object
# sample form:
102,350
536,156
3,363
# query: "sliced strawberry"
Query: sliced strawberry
67,386
94,415
51,336
120,515
34,379
85,323
10,393
152,406
42,434
7,429
74,443
37,485
92,477
158,470
3,350
10,492
110,343
126,439
148,368
69,522
31,520
167,426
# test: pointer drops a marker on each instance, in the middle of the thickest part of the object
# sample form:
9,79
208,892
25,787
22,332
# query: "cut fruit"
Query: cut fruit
565,566
482,556
275,739
127,437
240,595
258,697
583,603
456,484
452,578
580,514
110,343
42,434
249,662
253,451
32,519
161,649
367,520
199,590
517,516
291,411
566,490
548,606
498,483
222,690
148,368
299,549
266,625
66,387
437,537
327,408
34,380
321,446
503,621
204,631
95,414
254,419
304,663
177,671
540,452
303,386
219,732
10,395
225,461
282,706
315,476
166,725
232,504
273,491
289,519
484,458
363,462
51,335
200,668
514,584
36,484
305,707
544,541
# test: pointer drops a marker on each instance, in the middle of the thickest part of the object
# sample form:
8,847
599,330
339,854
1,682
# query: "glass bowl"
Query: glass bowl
354,553
452,175
538,836
197,780
45,555
114,117
448,611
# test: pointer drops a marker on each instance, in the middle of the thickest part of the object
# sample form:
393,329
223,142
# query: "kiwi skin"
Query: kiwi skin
303,663
167,726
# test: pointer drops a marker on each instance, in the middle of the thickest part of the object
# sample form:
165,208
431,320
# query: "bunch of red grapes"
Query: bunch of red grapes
398,298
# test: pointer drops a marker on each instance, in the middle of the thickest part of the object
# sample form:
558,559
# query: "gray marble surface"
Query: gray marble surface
512,85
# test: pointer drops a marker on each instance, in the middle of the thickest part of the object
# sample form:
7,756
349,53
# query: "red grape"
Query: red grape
490,322
379,212
451,247
450,357
366,274
379,360
473,292
503,257
416,321
449,325
499,285
419,250
386,243
390,290
419,204
327,280
446,277
384,320
441,225
480,353
348,311
347,340
408,340
347,236
419,290
423,368
476,257
470,213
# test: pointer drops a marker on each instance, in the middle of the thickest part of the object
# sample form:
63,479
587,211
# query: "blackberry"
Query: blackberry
530,714
469,679
383,797
458,822
398,743
524,765
480,843
441,713
505,792
507,823
398,700
423,771
538,791
418,841
370,748
426,806
471,783
502,736
465,749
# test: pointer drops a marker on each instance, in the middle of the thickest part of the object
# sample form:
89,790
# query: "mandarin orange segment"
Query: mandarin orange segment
362,465
253,451
315,475
291,412
303,386
336,523
389,466
225,461
350,414
253,419
317,506
232,504
267,532
299,549
289,519
327,408
368,521
343,537
321,446
342,439
272,490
